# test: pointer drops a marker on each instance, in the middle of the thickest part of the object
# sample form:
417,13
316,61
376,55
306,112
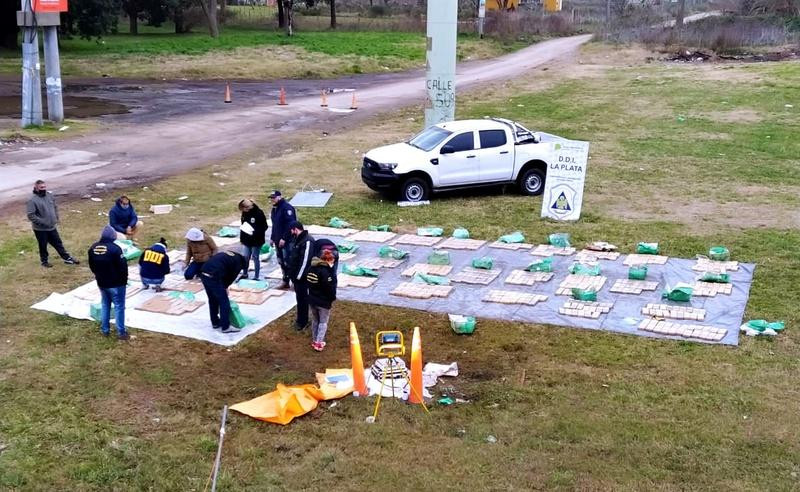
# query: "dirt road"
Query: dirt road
139,152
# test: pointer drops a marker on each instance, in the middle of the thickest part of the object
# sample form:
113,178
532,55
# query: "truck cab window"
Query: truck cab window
492,138
463,141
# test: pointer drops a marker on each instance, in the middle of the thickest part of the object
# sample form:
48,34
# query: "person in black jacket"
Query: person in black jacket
300,254
252,240
321,279
282,215
322,244
111,273
217,274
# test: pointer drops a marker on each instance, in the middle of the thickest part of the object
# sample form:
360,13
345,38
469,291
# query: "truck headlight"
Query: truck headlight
387,166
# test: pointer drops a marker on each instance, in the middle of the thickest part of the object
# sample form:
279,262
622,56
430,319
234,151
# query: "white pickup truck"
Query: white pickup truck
460,154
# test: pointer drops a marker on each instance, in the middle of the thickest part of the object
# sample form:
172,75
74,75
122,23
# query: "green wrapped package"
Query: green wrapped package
253,284
647,248
228,231
719,253
390,252
430,231
129,251
96,310
238,319
581,269
485,263
584,295
266,249
681,293
421,278
559,239
182,294
514,237
462,325
461,233
359,271
545,265
762,324
439,258
347,247
637,272
717,278
379,228
338,223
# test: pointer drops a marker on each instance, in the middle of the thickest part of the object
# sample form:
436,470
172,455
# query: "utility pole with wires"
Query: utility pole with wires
45,14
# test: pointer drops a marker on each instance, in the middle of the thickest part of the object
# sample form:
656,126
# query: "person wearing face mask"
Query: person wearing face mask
301,250
122,217
43,214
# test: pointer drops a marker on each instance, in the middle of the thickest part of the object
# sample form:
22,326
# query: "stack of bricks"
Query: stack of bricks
427,269
674,312
415,240
181,284
548,250
628,286
345,280
711,289
479,276
589,256
90,292
583,282
456,243
637,259
372,236
709,333
343,257
169,305
524,277
248,296
711,266
414,290
510,246
513,297
316,230
377,263
585,309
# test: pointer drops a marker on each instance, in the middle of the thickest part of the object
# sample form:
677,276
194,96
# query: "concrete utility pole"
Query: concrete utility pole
31,84
52,67
481,17
441,61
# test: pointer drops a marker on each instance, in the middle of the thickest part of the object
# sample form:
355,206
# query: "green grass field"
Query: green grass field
687,155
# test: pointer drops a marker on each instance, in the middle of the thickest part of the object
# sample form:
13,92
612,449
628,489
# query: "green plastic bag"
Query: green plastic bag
265,249
390,252
461,233
637,272
681,293
96,310
347,247
182,294
359,271
462,325
719,253
545,265
379,228
430,231
514,237
439,258
717,278
421,278
338,223
647,248
129,251
584,295
559,239
485,263
762,324
228,232
253,284
238,319
581,269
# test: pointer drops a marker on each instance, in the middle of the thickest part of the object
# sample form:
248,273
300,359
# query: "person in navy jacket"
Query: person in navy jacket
122,217
282,214
154,265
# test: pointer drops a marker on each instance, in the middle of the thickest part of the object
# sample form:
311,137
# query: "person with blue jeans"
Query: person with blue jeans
252,234
111,273
154,265
217,274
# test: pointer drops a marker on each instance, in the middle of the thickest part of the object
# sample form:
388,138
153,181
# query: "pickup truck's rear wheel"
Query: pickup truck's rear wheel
414,190
531,182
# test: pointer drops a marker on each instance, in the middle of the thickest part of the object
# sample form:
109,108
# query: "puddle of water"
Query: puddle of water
74,107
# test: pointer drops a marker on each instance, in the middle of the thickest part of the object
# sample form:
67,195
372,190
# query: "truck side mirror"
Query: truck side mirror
447,149
537,138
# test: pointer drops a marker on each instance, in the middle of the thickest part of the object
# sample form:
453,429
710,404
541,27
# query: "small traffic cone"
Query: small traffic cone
415,393
324,103
353,103
359,384
282,98
227,92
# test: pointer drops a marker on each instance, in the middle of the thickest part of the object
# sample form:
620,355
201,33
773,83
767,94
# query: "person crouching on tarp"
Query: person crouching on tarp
199,248
154,265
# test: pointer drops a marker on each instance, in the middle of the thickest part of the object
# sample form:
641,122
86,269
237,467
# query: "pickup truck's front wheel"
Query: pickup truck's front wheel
414,190
531,182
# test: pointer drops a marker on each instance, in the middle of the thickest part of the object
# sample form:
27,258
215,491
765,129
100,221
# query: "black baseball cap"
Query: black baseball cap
275,193
295,224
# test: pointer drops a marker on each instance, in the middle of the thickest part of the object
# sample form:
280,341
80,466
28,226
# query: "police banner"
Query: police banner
566,174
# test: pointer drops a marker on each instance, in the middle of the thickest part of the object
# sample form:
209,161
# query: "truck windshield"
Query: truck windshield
429,138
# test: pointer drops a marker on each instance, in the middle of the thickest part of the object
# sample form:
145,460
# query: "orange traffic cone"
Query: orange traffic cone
359,385
415,395
353,103
324,103
227,92
282,98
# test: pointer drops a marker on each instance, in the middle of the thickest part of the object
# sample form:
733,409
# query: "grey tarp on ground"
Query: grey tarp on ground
723,311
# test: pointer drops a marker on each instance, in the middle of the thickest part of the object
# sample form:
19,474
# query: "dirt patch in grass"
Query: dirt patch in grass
734,116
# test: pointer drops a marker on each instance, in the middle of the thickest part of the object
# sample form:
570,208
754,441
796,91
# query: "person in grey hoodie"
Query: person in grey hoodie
43,214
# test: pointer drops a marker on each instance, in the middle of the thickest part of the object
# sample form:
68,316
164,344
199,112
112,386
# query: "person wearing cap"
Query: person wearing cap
253,235
301,251
154,265
217,274
199,248
282,214
111,273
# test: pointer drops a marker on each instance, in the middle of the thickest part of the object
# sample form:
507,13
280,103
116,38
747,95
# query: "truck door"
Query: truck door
458,163
495,156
